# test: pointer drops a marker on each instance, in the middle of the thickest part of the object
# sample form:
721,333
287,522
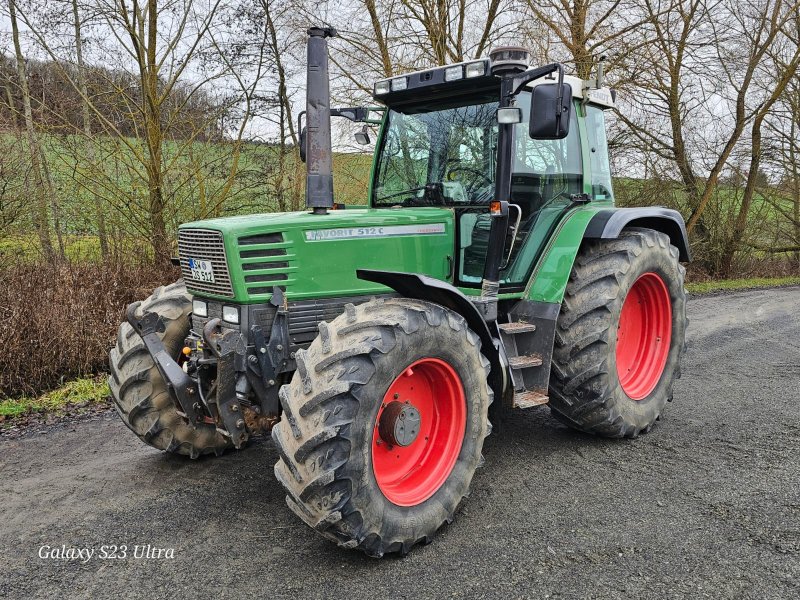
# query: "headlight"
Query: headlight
476,69
453,73
382,87
200,308
230,314
399,84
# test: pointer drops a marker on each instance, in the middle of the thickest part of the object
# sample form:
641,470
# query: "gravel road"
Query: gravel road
706,505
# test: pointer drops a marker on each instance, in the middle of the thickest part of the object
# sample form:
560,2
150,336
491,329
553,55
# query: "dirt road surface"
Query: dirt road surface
706,505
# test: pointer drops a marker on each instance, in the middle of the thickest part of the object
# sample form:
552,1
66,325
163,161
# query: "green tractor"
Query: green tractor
489,273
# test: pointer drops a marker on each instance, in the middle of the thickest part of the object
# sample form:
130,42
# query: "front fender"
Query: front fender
422,287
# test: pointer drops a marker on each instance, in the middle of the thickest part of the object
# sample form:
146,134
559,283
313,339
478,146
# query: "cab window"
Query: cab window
598,152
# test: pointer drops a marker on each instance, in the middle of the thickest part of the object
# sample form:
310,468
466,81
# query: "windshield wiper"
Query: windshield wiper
408,191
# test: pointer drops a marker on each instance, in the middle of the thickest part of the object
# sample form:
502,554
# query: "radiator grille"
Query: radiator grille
207,245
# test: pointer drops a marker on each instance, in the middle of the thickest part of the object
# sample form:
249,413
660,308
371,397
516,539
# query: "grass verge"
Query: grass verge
707,287
73,395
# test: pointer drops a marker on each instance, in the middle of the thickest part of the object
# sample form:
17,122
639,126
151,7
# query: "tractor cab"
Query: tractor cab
438,147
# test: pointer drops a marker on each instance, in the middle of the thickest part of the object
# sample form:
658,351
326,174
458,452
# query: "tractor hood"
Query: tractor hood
312,256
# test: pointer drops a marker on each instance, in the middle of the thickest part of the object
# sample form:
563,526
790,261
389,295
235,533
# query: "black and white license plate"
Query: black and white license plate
201,270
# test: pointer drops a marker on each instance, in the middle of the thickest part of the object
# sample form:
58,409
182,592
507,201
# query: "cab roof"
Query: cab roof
469,79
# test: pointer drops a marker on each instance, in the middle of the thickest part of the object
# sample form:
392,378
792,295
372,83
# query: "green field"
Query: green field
722,285
198,184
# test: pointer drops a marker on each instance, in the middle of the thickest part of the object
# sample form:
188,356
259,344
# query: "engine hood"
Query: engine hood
316,256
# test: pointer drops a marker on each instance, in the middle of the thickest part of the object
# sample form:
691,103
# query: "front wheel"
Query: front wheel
139,391
383,424
619,335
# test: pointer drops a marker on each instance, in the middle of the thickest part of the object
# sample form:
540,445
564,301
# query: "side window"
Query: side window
598,151
545,171
404,156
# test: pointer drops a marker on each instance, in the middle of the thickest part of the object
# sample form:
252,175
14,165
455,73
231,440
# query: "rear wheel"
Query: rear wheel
620,335
383,424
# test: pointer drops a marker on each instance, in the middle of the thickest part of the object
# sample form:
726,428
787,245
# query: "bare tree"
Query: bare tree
42,191
86,117
379,38
167,59
785,68
586,29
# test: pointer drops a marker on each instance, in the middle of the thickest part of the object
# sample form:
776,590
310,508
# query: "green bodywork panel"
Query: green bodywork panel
324,251
551,274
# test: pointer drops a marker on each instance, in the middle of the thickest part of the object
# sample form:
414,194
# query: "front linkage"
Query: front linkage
223,379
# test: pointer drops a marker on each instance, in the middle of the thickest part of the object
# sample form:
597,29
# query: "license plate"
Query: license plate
201,270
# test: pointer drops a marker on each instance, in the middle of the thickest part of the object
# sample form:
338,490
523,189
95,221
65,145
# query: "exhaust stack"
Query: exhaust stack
319,153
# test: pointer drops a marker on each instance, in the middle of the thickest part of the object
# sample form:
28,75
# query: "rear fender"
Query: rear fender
608,224
551,275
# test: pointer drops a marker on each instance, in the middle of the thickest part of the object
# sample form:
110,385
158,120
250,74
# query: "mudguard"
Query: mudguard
421,287
591,221
610,222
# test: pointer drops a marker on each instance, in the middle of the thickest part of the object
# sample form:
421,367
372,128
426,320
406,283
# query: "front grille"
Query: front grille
204,244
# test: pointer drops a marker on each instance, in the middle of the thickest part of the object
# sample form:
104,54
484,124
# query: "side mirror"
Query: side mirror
302,143
549,119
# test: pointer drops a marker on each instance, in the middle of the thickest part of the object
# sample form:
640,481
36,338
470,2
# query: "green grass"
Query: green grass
706,287
90,390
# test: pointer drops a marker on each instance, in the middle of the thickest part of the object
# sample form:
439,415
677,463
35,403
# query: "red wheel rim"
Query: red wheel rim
643,336
409,475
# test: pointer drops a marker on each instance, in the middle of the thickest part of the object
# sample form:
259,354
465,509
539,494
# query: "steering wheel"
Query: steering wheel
455,169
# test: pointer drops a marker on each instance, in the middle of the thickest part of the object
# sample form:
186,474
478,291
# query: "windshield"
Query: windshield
438,157
447,157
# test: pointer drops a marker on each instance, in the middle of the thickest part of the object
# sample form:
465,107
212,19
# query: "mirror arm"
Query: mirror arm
358,114
526,77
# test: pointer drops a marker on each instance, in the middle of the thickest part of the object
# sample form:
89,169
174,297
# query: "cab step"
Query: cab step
525,361
517,327
529,399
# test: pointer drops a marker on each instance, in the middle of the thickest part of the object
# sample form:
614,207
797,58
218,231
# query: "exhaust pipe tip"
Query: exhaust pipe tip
323,32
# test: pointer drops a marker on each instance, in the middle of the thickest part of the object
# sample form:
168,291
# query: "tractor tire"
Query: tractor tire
140,393
350,469
620,335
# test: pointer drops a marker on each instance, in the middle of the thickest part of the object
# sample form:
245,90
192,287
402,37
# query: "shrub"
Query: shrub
59,320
